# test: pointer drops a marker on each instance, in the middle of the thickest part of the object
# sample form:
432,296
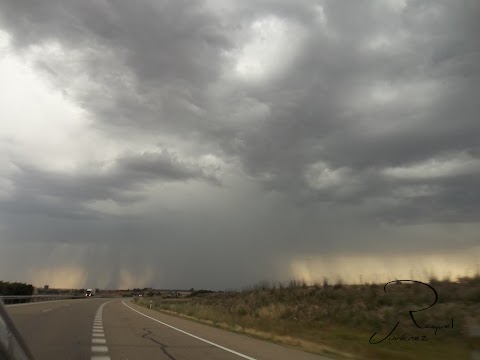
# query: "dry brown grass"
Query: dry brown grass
339,319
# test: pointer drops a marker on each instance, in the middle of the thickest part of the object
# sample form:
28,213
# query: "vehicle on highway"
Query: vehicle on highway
89,292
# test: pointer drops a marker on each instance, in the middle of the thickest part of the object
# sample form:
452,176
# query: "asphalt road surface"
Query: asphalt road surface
103,329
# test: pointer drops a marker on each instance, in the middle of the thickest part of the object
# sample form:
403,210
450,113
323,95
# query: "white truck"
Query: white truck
90,292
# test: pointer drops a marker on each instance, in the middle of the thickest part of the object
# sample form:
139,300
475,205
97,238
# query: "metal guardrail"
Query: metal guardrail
15,299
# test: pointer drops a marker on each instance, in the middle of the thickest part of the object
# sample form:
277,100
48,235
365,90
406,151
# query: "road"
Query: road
106,329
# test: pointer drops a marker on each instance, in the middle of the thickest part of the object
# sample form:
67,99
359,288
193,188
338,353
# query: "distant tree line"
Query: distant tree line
200,292
15,288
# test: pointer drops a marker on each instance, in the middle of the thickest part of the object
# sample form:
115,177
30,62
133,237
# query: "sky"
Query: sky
217,143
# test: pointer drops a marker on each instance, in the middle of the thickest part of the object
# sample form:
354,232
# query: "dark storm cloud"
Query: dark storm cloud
162,166
66,194
374,120
319,111
171,49
332,120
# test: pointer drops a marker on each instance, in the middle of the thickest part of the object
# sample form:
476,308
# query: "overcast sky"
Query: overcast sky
215,144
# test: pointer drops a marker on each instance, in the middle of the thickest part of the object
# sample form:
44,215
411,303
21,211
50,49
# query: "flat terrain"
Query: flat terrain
59,329
118,329
338,320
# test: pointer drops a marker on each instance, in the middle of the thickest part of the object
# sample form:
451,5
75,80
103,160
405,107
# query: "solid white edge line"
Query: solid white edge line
194,336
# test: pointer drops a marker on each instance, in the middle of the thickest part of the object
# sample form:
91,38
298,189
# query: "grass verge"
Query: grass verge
338,320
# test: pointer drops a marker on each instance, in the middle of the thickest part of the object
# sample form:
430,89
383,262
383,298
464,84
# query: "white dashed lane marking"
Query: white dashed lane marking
99,347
